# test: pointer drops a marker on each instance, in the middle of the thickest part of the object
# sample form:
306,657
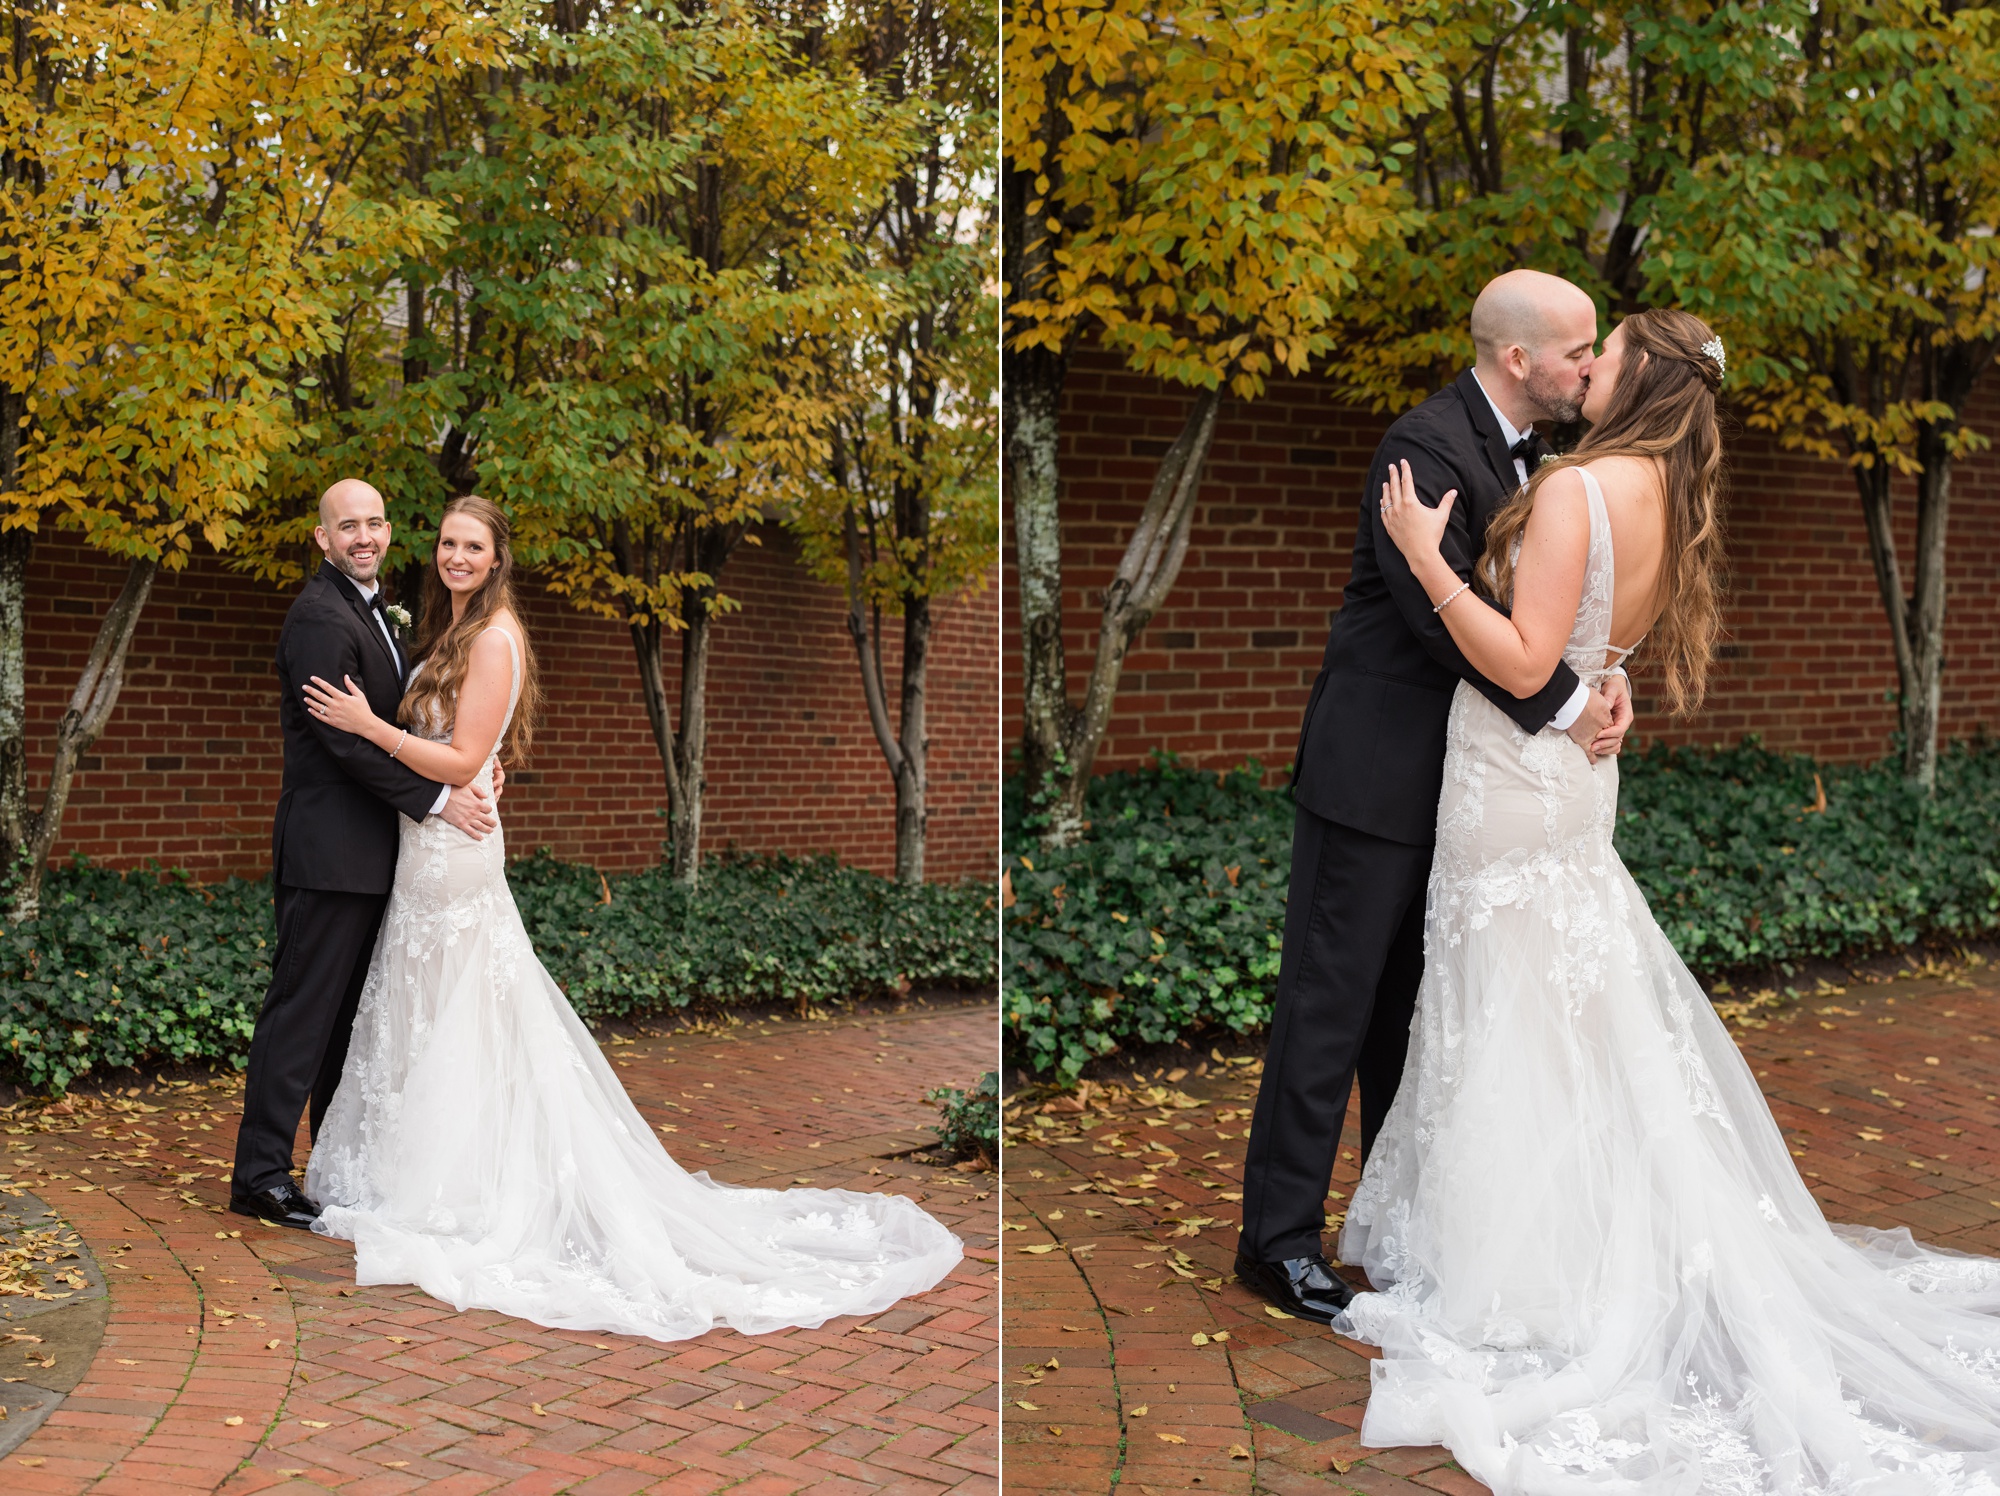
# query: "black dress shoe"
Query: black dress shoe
1306,1287
281,1205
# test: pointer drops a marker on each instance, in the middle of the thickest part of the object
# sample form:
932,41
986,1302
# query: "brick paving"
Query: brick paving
1132,1357
237,1357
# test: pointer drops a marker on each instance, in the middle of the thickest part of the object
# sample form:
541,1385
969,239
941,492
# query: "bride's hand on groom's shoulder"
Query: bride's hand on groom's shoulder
1415,527
347,710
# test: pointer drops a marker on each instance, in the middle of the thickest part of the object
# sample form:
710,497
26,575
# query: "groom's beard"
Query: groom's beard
346,567
1541,387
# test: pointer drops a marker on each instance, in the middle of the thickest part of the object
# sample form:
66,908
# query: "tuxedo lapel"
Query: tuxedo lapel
1494,445
361,610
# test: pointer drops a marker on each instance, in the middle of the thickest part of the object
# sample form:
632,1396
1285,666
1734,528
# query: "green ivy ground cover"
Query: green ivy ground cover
130,969
1167,919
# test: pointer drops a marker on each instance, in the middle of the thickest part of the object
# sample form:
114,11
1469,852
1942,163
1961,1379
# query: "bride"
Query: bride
479,1145
1597,1267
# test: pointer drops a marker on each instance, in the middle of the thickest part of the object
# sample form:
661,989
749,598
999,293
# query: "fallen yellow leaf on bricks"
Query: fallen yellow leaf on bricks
233,1419
1276,1313
1170,1438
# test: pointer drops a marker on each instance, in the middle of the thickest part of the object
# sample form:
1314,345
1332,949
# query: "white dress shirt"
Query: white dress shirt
1510,434
368,591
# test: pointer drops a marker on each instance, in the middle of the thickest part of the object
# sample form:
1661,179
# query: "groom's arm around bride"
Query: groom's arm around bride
1369,768
333,848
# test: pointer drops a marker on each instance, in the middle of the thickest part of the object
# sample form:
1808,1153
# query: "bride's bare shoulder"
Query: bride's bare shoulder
1622,476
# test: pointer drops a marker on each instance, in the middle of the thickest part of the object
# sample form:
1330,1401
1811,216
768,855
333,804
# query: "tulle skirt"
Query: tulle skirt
481,1147
1599,1269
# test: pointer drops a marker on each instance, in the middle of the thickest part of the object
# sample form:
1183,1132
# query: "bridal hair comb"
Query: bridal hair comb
1714,349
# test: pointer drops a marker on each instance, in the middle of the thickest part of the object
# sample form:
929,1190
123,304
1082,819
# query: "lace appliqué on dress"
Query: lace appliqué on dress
482,1147
1598,1266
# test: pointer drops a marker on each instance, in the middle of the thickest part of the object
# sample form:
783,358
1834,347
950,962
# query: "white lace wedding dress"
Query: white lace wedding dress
481,1147
1599,1268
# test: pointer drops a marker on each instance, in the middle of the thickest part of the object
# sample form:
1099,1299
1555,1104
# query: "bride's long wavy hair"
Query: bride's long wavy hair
1663,409
446,645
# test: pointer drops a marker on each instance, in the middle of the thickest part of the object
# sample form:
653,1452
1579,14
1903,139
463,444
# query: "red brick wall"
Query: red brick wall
188,770
1223,670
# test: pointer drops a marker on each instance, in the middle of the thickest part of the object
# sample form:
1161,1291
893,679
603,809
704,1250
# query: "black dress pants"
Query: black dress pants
325,941
1353,958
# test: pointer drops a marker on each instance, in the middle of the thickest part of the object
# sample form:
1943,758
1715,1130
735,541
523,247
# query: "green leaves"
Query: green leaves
968,1125
171,208
1167,920
1206,177
130,969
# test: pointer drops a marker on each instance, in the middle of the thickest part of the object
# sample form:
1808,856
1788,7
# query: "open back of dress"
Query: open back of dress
1599,1267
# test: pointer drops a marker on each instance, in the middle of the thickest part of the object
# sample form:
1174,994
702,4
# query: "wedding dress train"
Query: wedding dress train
481,1147
1599,1269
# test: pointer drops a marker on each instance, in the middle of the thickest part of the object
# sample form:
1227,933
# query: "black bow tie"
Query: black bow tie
1526,450
375,604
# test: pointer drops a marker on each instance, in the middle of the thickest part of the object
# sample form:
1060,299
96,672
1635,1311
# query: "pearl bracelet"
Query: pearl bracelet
1451,598
399,743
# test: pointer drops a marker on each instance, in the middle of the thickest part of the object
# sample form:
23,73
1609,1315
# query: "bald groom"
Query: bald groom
333,849
1369,769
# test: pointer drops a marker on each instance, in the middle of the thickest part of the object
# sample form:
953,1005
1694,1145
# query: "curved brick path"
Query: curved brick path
1133,1358
238,1357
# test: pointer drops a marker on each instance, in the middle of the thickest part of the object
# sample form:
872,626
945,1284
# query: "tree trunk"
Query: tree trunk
905,747
683,754
646,638
1924,692
913,784
1060,771
696,638
15,548
89,709
1031,399
1916,623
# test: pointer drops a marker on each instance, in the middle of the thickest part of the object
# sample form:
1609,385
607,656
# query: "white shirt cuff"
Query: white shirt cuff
444,794
1572,709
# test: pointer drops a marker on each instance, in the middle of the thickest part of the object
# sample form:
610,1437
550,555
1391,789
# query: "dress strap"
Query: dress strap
1600,524
1599,515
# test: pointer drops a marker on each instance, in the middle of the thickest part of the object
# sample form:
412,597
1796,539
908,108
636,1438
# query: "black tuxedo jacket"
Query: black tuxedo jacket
336,821
1371,750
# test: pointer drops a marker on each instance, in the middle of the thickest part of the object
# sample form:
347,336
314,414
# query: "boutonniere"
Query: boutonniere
1546,458
398,614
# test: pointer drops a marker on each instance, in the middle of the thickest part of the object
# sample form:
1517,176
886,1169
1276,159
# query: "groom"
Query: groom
1369,769
333,849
